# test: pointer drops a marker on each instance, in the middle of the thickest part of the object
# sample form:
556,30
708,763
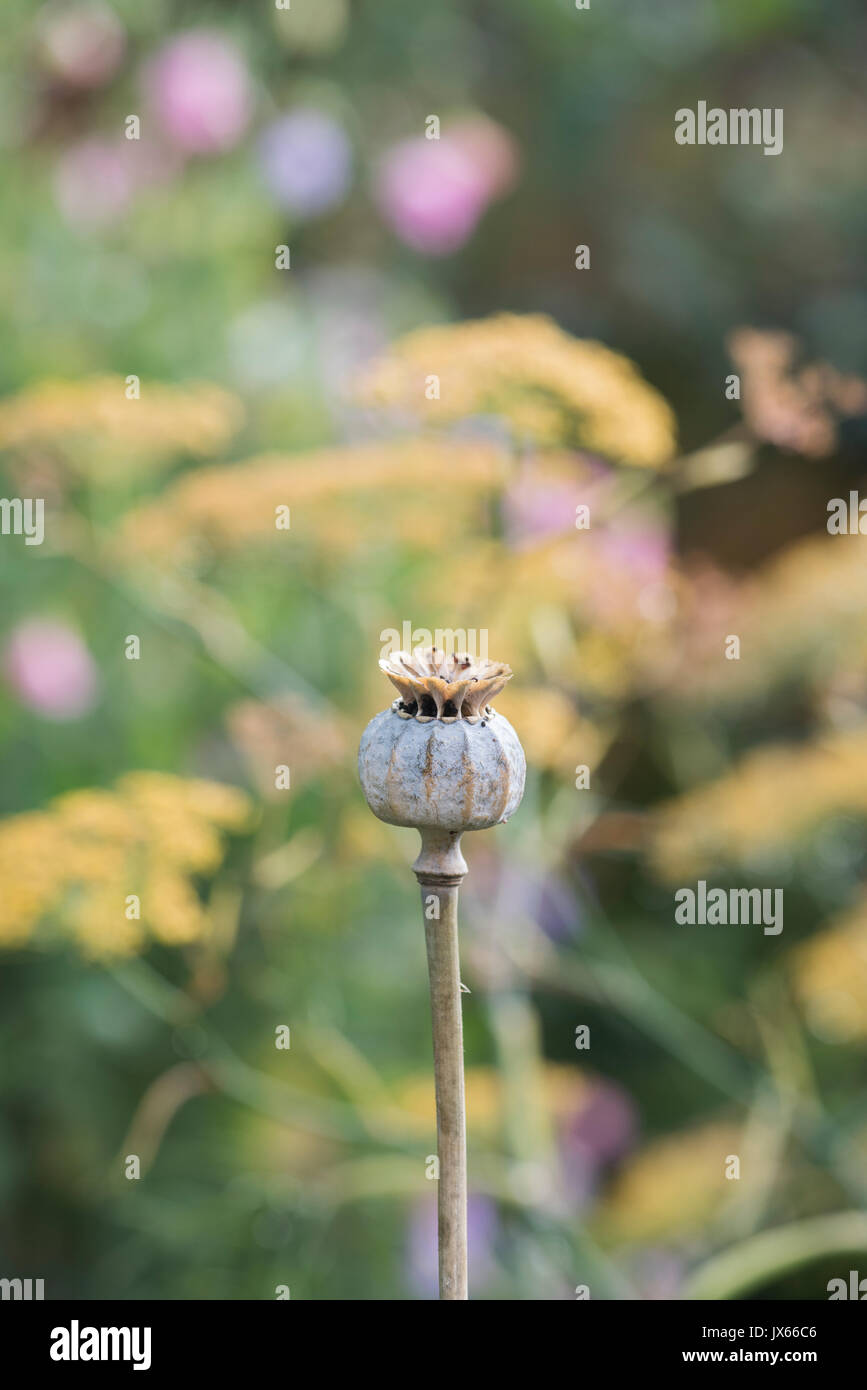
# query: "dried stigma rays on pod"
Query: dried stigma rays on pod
441,757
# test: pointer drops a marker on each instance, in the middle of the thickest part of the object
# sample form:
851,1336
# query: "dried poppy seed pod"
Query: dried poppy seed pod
441,759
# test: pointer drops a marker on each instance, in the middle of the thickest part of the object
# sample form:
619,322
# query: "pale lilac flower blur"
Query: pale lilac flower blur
306,161
93,181
432,193
199,90
50,670
421,1245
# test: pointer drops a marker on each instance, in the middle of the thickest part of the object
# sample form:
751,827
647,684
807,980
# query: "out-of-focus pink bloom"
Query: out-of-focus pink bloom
537,508
640,550
199,90
421,1253
534,512
306,161
93,181
433,192
631,577
50,670
81,45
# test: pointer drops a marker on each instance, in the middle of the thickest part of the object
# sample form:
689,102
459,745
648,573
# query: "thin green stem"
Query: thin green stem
772,1254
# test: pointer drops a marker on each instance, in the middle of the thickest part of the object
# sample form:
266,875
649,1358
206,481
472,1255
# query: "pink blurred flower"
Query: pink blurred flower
537,507
81,45
50,670
534,512
199,89
631,574
432,193
640,549
93,182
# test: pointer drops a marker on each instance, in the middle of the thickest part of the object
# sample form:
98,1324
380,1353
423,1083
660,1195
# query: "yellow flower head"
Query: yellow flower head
81,862
674,1186
106,430
829,973
227,507
549,388
773,797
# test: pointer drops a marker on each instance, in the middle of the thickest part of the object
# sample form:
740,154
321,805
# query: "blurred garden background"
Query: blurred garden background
170,379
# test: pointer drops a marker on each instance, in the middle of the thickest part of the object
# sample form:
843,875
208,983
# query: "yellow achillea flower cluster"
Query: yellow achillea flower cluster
771,798
674,1186
74,864
550,388
829,974
197,418
226,507
803,615
809,603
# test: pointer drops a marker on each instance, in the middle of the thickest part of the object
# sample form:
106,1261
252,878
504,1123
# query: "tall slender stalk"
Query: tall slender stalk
442,760
440,870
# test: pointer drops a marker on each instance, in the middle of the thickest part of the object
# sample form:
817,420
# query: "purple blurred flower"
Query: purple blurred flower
421,1244
93,182
82,45
602,1130
433,192
50,670
519,895
306,160
556,909
199,89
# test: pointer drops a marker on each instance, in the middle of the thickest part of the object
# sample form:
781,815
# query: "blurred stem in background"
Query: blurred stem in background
763,1258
